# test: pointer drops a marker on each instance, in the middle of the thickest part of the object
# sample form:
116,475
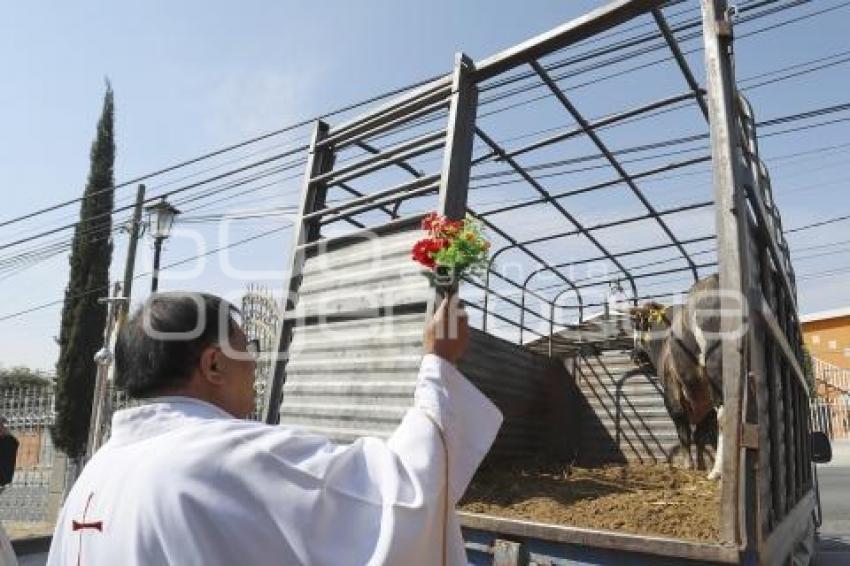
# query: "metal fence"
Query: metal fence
831,408
30,414
831,375
832,417
260,319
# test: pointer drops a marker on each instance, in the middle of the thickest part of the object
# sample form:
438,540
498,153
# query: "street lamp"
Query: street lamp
161,217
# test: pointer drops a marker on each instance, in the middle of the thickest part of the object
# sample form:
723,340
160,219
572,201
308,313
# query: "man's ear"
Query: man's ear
210,364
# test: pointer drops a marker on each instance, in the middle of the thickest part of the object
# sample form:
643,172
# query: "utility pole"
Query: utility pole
119,305
135,232
103,359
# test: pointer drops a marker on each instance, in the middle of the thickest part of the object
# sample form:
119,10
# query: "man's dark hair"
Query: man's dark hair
161,345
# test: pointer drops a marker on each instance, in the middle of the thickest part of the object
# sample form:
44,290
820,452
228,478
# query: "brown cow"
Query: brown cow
682,342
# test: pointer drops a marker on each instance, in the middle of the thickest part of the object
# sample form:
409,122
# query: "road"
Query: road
834,548
33,560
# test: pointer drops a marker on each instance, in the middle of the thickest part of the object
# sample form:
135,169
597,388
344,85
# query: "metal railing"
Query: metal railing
30,413
831,374
260,321
832,417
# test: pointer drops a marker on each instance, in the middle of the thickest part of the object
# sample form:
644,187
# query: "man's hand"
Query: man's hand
447,334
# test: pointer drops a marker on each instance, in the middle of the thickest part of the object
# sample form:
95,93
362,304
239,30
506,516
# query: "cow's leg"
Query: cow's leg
682,453
705,435
717,470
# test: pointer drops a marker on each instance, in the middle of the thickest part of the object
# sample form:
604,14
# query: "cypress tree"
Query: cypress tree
83,318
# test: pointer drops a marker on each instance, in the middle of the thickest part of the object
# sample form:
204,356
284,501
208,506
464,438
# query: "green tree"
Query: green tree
83,317
20,376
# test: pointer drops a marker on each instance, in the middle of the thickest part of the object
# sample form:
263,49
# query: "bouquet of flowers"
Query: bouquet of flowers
450,250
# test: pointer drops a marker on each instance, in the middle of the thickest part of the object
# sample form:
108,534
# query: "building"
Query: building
827,336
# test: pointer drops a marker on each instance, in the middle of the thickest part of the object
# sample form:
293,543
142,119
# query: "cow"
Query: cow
682,343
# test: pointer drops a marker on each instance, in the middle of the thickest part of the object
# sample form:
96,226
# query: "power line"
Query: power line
149,199
168,266
622,58
818,224
232,147
758,5
743,8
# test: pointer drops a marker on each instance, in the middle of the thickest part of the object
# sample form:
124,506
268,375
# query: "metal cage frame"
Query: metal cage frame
769,488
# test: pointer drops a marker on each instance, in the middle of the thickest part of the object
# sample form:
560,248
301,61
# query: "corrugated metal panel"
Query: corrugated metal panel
624,417
531,390
349,377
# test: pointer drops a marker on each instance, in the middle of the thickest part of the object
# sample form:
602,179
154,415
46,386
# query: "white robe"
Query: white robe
181,482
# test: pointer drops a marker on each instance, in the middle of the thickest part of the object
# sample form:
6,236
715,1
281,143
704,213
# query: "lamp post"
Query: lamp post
161,216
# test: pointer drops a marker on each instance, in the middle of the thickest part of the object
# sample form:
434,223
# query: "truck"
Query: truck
350,340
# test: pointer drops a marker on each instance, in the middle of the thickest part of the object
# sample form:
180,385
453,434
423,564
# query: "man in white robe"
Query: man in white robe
184,481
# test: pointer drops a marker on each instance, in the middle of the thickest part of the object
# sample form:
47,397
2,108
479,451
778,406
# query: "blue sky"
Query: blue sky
193,76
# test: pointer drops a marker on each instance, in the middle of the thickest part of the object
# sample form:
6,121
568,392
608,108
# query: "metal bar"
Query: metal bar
650,274
399,222
680,551
459,137
379,203
505,298
602,122
543,192
562,98
772,326
777,412
604,184
371,198
313,196
681,294
404,105
764,219
517,286
721,105
790,409
559,295
390,156
354,223
763,372
670,38
592,23
514,244
351,190
553,270
503,318
620,222
382,126
793,527
375,151
631,252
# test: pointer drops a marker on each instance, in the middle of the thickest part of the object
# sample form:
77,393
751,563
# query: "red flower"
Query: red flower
453,225
442,233
422,252
431,219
